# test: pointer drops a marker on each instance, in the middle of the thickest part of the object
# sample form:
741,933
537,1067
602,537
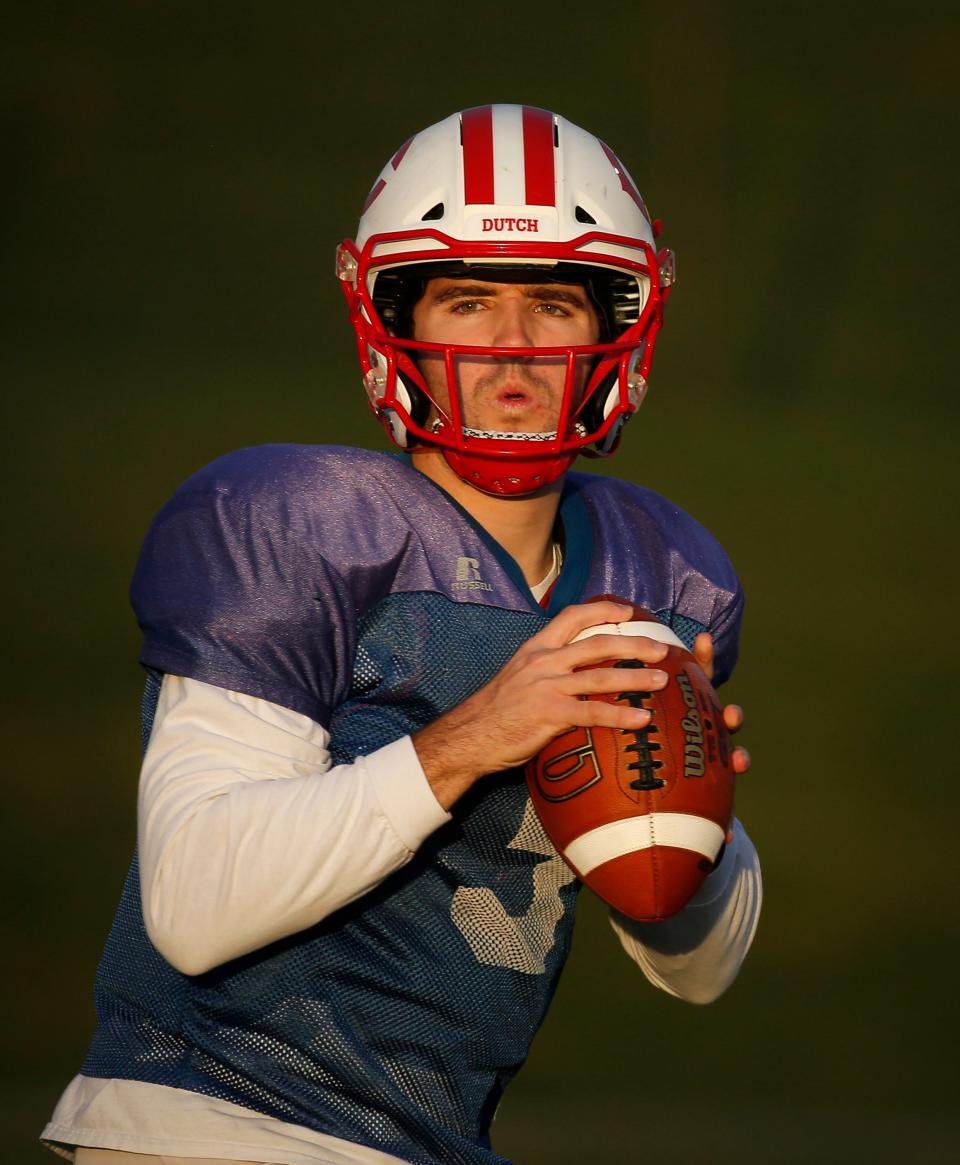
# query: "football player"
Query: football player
344,922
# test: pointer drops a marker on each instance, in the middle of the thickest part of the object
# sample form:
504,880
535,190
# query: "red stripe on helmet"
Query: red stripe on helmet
538,157
372,196
477,133
398,156
626,182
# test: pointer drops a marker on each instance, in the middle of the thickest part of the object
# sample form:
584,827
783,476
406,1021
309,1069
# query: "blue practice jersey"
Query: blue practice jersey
345,585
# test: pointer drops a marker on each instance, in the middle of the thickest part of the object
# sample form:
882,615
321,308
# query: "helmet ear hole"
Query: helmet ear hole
413,400
601,403
416,405
398,431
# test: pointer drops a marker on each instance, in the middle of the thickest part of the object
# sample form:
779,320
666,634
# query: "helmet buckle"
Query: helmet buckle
374,382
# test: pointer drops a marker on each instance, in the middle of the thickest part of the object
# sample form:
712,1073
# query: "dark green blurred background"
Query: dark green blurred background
175,178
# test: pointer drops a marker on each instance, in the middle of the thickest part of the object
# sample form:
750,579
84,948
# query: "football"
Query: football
641,816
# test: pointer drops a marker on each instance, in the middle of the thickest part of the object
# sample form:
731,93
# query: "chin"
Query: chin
522,422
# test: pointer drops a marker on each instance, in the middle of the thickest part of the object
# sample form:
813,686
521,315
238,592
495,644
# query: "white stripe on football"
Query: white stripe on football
652,629
630,834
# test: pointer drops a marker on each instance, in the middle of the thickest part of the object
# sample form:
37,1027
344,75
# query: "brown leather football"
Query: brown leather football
641,816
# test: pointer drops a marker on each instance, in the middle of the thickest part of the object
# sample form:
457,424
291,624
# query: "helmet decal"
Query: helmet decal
374,194
626,182
523,171
398,156
538,147
381,182
477,138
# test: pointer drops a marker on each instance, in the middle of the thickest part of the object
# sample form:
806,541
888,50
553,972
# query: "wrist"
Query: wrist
449,759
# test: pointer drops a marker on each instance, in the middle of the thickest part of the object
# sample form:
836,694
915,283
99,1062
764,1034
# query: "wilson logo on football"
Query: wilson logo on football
570,772
703,744
693,765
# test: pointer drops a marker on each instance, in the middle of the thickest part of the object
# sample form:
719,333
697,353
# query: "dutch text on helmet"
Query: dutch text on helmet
531,225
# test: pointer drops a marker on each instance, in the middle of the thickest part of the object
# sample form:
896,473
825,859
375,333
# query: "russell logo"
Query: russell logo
468,576
530,225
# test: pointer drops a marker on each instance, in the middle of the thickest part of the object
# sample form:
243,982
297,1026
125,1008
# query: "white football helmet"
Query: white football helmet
506,193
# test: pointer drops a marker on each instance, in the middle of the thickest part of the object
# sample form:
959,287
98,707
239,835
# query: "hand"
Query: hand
538,695
732,713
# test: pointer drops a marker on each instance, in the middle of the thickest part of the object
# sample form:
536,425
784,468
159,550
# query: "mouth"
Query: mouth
514,399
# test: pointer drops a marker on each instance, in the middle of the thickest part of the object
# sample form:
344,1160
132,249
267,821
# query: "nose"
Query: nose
513,328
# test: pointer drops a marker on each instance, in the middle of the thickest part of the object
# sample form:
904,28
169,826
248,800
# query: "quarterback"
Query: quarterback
343,924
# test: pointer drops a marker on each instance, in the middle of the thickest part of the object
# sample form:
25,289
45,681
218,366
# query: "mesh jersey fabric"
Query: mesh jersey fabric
343,584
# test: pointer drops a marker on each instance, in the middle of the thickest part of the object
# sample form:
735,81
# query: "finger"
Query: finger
741,760
703,652
733,717
597,648
610,680
572,620
600,714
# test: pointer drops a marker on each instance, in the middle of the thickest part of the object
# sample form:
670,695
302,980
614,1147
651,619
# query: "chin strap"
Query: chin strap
503,476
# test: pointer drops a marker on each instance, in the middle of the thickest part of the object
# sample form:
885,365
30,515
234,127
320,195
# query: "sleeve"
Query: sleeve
225,593
725,629
247,835
697,954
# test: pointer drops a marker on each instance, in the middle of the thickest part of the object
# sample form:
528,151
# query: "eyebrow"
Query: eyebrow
548,292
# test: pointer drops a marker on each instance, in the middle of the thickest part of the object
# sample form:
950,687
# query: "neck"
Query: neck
522,525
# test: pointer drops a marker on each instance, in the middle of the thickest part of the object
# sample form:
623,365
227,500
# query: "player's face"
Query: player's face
521,395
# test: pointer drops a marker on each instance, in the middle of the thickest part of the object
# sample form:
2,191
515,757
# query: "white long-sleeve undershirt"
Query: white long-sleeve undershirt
247,834
696,954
